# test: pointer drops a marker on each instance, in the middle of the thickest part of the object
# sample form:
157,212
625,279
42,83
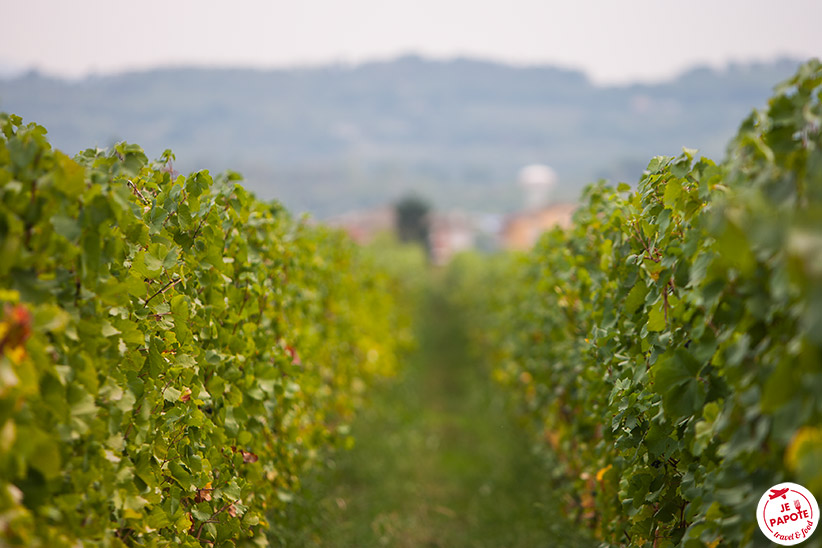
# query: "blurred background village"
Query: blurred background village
486,154
486,122
446,233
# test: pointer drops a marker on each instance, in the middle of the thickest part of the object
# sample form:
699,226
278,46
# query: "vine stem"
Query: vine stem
211,519
644,245
163,289
137,192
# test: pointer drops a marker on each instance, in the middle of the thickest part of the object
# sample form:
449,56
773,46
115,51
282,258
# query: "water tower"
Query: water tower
537,181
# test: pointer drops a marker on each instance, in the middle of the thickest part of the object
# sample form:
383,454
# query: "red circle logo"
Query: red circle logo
787,514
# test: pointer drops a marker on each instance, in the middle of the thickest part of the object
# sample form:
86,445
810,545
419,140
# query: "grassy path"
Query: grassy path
439,462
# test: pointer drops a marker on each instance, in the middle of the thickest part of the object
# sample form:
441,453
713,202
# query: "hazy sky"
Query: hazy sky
611,40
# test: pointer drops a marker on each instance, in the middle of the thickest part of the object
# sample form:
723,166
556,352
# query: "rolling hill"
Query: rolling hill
333,138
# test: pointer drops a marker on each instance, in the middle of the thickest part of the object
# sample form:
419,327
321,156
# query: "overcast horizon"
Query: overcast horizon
641,41
8,71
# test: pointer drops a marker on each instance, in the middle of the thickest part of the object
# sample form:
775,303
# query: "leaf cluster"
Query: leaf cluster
173,352
669,344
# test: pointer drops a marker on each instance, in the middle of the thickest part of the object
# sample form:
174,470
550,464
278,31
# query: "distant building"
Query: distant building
522,230
363,226
449,233
452,232
537,182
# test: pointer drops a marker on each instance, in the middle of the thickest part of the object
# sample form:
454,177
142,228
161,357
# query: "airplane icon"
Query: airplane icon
775,493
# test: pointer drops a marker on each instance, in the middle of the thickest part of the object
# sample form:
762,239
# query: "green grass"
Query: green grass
439,462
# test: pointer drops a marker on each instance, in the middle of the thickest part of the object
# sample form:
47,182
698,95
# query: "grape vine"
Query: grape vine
173,352
668,346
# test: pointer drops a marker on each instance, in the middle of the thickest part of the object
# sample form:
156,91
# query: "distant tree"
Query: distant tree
412,220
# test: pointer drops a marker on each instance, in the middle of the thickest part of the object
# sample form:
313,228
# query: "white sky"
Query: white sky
613,41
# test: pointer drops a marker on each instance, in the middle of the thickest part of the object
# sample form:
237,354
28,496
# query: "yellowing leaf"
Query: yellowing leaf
46,458
183,523
806,438
673,190
635,297
656,317
70,176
